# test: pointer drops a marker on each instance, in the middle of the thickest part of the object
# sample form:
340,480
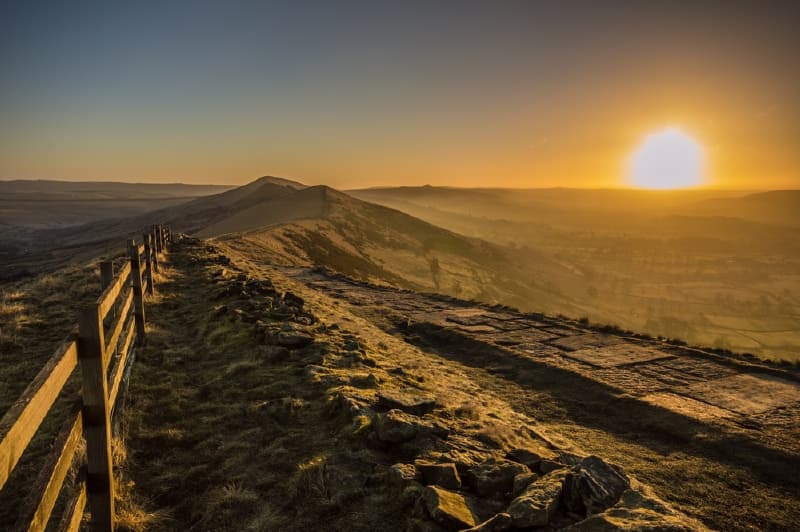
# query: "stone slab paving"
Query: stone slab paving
698,386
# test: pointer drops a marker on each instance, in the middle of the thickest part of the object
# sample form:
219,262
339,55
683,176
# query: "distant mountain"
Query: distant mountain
774,207
41,204
43,189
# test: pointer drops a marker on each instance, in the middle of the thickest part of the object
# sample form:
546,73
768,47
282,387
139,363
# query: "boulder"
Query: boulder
637,510
494,477
444,475
593,486
538,503
448,508
499,523
521,481
407,401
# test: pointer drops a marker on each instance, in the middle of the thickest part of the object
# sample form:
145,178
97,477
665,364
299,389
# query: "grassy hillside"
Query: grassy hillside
709,267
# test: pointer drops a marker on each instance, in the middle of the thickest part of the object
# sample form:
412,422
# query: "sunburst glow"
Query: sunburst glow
667,159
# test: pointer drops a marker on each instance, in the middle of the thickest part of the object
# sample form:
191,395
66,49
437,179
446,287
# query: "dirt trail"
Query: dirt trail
229,430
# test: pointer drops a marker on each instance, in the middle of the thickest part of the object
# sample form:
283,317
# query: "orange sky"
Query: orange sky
513,95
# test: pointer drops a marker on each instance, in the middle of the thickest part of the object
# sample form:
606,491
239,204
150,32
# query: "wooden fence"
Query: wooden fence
103,346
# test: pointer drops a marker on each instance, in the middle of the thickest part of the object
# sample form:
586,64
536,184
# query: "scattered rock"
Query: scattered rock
447,508
406,401
499,523
494,477
444,475
593,486
294,339
293,300
351,345
538,503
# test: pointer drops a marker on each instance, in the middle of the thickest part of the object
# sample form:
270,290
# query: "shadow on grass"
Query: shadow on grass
597,405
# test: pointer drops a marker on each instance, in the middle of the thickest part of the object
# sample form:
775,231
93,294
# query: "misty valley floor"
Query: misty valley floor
221,434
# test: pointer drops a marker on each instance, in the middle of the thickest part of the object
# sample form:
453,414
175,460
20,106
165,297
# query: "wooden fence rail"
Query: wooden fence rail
103,346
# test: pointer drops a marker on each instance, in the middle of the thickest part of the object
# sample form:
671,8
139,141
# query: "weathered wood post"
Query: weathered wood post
148,260
136,285
96,422
157,235
161,237
153,252
106,276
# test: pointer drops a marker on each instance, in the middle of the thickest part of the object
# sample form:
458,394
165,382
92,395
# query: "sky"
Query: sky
356,94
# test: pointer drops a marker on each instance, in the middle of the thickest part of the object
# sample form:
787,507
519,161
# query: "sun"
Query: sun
667,159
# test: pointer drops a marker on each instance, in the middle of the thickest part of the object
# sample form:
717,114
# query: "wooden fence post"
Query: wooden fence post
157,236
136,285
153,251
97,428
161,237
148,259
106,276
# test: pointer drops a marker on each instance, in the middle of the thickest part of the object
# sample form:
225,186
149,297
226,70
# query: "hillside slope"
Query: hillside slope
321,226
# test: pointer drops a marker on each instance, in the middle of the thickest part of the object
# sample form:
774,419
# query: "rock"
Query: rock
406,401
521,481
405,472
259,286
305,320
444,475
538,503
494,477
548,466
351,345
281,312
593,486
499,523
293,300
395,426
447,508
274,352
364,381
637,511
294,339
531,456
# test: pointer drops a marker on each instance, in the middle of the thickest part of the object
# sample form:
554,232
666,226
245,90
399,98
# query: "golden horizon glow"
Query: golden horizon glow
667,159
